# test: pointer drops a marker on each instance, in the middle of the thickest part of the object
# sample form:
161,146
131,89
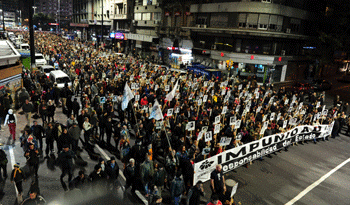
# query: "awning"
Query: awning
139,37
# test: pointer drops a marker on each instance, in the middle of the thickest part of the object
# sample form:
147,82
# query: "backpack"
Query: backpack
12,119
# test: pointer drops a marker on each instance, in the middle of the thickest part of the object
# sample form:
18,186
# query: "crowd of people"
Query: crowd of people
158,153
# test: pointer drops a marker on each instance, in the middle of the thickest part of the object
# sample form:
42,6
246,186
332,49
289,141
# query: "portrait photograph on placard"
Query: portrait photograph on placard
217,119
170,112
205,129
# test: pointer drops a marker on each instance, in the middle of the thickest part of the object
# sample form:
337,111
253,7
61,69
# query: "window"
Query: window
275,23
138,16
294,25
266,1
252,20
263,21
242,20
157,16
146,16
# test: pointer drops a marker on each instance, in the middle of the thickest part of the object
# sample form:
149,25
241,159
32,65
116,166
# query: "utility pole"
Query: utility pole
59,15
102,24
31,33
3,15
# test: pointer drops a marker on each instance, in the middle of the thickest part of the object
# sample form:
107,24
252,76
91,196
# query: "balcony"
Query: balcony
175,31
119,16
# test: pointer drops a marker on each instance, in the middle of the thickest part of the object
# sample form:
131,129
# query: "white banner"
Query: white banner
238,156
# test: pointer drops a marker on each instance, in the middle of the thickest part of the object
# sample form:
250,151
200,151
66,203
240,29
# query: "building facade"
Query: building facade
60,10
252,37
143,38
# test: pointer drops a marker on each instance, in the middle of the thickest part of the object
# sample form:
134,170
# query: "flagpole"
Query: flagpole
166,134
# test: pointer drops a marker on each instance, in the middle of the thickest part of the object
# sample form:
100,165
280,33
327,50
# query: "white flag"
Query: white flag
171,95
127,96
156,112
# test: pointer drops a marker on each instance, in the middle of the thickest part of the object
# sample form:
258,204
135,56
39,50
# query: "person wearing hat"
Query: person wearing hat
96,178
112,170
32,156
65,160
17,176
34,198
11,121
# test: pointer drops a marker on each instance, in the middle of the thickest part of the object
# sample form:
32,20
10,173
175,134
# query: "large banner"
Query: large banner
238,156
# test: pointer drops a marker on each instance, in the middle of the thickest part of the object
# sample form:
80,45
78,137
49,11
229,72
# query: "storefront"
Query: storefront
180,60
118,41
267,69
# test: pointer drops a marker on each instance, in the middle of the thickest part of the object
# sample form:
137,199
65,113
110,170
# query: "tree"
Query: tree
42,21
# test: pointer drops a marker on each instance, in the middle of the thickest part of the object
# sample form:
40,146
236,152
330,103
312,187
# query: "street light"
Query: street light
20,17
3,18
34,7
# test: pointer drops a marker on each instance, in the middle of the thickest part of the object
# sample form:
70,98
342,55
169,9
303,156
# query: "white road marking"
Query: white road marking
316,183
13,162
108,158
141,197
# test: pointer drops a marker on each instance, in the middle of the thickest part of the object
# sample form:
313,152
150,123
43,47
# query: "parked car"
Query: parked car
321,85
46,69
39,59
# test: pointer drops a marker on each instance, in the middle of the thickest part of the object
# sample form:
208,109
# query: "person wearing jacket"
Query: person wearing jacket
74,133
146,172
51,111
38,133
65,160
32,156
27,108
112,170
3,164
129,173
18,176
49,132
87,130
78,182
194,194
177,189
11,121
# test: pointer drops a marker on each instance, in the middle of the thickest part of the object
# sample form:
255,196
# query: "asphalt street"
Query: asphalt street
49,178
275,180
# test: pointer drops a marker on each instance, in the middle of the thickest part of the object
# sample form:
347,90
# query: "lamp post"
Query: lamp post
3,18
102,24
31,33
20,17
34,7
59,14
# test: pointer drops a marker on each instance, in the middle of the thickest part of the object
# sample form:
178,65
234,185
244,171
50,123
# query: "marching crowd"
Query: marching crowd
112,102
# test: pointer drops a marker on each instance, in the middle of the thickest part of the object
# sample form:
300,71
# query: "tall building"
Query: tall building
252,37
60,10
11,13
143,36
88,15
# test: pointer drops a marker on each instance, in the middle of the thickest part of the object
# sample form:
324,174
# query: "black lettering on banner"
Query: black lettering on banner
232,159
253,146
294,132
264,141
306,129
242,151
